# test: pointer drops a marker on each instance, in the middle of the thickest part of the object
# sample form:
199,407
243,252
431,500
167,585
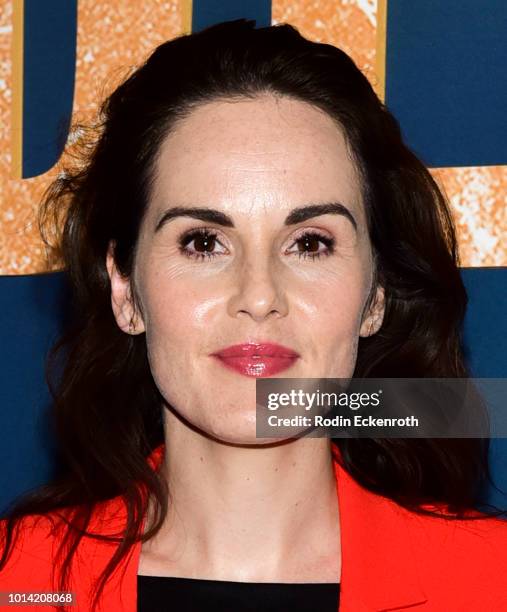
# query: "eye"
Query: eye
308,245
205,244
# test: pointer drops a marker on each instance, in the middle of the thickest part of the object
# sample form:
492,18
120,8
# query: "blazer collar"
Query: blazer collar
379,566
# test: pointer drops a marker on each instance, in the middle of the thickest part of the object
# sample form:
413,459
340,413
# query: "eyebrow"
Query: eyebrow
298,215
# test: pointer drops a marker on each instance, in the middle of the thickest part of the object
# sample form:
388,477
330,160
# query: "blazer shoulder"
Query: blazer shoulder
36,544
467,558
481,535
32,551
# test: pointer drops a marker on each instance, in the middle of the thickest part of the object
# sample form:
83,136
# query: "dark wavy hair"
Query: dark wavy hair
107,408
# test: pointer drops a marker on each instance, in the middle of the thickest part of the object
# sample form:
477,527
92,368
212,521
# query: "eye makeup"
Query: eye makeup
206,241
204,238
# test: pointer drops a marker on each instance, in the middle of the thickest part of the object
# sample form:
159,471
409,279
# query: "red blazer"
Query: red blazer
392,559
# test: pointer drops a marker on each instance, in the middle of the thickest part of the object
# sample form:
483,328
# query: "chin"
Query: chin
239,434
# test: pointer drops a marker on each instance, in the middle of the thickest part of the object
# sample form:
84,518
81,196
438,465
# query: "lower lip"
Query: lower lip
257,366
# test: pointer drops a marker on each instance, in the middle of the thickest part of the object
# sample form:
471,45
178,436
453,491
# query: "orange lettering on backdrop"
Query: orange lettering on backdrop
115,36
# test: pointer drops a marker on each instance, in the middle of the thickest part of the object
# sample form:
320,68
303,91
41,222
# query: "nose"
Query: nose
258,293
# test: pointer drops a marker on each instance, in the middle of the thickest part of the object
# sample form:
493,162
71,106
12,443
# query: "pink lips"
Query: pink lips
257,359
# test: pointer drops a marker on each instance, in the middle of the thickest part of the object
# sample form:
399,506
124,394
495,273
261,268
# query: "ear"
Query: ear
373,321
122,302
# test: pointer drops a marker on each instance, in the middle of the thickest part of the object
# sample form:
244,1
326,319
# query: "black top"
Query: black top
164,594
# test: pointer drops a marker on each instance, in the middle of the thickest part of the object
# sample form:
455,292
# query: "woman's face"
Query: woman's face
238,248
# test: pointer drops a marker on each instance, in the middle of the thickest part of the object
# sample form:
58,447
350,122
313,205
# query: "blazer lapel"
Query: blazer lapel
379,566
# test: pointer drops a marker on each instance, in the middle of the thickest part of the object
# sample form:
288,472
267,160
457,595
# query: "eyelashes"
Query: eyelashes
204,238
206,241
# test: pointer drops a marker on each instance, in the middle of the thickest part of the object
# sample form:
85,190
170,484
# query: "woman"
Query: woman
250,210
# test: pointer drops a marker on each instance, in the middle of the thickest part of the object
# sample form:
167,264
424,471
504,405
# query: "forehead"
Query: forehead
266,154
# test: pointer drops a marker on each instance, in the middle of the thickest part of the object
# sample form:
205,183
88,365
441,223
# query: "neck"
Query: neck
253,514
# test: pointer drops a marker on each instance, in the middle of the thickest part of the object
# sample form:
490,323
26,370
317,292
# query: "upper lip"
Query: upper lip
261,349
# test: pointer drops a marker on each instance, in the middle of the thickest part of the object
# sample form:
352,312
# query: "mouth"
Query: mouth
257,359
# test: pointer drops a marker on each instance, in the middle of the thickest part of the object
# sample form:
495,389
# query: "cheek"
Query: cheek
177,314
333,302
332,312
335,311
180,319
